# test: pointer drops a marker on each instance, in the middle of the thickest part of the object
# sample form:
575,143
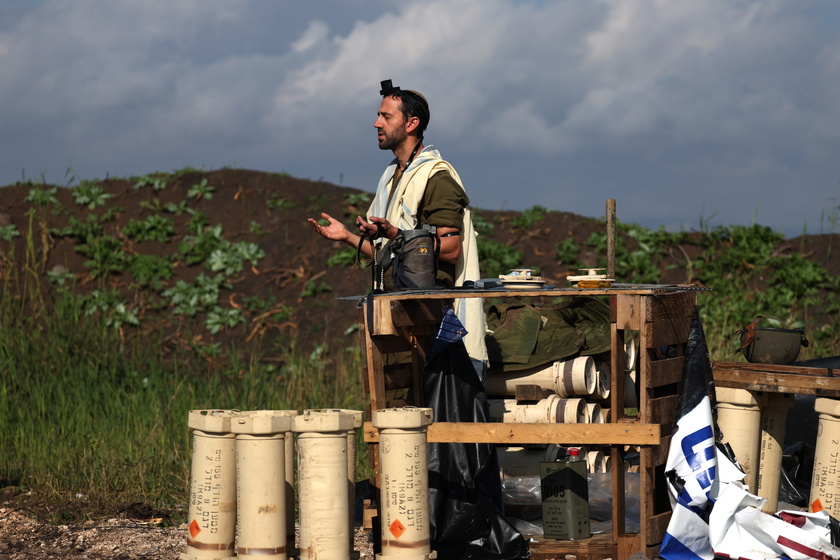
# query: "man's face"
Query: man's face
390,124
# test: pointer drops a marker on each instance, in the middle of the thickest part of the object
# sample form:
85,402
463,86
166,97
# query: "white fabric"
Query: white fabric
739,529
402,212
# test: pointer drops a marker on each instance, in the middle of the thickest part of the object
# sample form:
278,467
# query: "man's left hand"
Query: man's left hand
376,227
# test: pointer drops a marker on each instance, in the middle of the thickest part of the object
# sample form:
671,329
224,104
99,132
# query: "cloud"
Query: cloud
639,95
316,33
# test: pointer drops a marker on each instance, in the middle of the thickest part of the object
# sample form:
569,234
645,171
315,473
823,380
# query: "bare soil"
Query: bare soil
26,536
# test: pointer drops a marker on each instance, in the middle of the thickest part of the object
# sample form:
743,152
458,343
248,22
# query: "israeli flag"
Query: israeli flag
692,465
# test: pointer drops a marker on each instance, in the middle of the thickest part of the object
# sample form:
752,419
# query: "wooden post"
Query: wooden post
610,238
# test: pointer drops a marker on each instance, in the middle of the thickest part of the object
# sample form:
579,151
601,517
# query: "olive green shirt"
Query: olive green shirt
442,205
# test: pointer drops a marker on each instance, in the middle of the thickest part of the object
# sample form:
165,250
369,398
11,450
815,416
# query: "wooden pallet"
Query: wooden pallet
661,316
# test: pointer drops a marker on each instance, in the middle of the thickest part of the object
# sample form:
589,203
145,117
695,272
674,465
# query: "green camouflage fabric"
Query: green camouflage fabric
522,336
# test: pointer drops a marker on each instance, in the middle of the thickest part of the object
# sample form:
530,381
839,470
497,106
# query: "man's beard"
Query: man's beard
389,142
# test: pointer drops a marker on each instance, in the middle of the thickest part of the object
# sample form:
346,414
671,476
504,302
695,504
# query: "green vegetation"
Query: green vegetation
157,182
567,253
313,287
90,194
277,202
153,228
357,199
201,190
105,255
94,417
344,256
89,411
497,258
42,196
747,273
151,271
529,217
750,278
8,232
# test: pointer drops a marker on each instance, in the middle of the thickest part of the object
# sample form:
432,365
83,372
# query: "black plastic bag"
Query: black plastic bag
465,493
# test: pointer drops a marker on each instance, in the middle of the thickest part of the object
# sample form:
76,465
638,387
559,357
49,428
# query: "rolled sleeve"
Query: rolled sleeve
443,202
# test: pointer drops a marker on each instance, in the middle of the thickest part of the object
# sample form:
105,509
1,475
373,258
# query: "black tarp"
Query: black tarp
465,493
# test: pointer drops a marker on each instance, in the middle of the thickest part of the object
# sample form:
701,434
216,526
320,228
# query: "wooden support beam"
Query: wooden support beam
622,433
777,379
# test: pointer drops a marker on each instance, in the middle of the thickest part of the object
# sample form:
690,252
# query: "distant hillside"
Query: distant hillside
201,261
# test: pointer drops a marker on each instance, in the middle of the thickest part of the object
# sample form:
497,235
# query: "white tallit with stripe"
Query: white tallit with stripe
402,212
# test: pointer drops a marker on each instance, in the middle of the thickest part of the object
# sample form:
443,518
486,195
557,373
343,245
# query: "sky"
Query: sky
690,114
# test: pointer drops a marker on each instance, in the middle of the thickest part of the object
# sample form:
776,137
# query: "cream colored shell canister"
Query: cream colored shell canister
576,377
593,413
289,491
553,409
212,508
604,383
404,480
631,352
825,483
773,419
595,461
322,481
358,418
261,484
739,418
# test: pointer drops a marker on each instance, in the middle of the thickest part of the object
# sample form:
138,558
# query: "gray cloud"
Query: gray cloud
680,110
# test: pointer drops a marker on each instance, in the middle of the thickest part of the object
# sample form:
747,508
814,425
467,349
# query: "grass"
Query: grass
91,418
88,416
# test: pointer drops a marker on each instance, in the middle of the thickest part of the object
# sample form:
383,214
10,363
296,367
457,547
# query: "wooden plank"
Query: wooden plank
663,410
376,381
627,545
397,376
622,290
382,321
665,333
656,527
660,453
597,547
653,551
775,368
646,491
617,361
619,505
670,306
389,344
777,379
416,312
632,310
665,372
624,433
628,312
643,372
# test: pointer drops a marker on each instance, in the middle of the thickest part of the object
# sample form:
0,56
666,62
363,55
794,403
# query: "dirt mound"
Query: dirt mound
286,298
146,247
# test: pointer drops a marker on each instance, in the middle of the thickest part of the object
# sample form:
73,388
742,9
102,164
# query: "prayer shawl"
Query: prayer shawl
402,212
